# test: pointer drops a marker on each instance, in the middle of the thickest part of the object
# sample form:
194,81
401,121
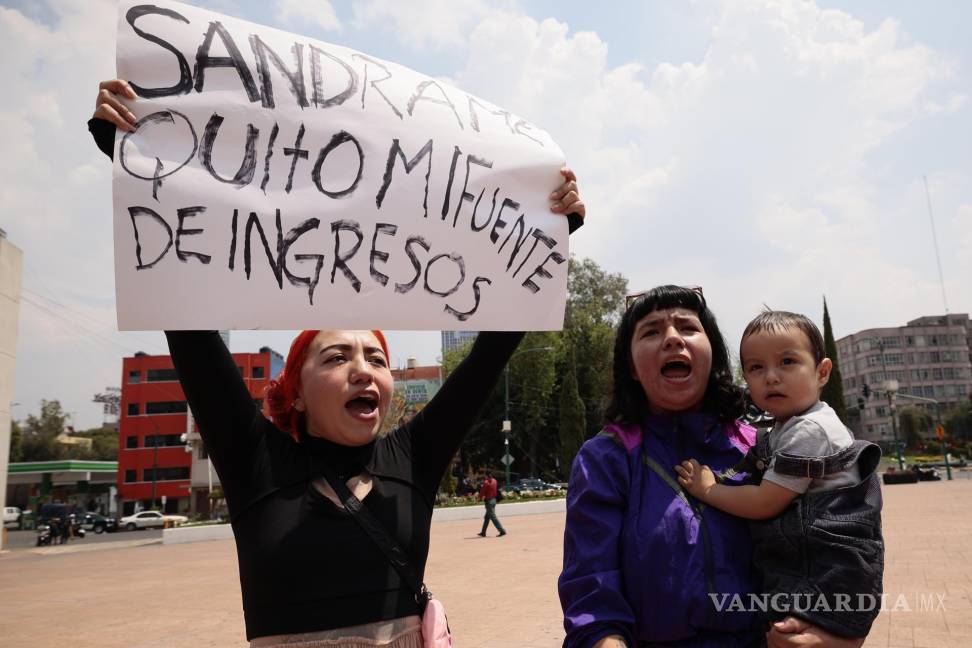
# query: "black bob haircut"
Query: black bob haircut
628,402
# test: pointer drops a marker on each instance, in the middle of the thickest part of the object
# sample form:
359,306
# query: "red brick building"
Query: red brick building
152,459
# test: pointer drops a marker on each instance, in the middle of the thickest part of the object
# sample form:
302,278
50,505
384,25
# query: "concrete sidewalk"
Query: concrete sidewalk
499,592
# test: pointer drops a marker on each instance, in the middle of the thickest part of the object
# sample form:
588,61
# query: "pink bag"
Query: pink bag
435,627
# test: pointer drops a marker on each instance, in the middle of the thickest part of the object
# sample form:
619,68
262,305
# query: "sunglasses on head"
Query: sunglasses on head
629,300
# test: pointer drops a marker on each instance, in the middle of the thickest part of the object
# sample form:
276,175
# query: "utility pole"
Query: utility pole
891,408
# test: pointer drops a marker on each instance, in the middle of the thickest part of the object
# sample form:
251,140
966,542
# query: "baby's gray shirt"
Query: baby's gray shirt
816,432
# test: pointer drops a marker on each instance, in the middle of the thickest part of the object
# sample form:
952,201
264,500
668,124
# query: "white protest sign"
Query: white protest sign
279,182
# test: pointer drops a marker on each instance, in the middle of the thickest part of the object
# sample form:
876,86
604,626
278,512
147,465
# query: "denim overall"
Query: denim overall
826,547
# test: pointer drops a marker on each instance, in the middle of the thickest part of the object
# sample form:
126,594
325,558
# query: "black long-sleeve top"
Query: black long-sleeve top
305,564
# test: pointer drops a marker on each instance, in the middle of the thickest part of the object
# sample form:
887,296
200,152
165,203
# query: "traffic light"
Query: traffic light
867,391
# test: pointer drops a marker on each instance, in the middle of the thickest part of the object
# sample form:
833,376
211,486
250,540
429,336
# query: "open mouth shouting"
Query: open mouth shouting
677,369
364,406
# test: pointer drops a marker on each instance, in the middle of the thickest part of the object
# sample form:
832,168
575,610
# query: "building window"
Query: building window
242,373
130,476
133,409
162,440
134,377
165,474
203,455
131,442
165,407
161,375
259,372
891,342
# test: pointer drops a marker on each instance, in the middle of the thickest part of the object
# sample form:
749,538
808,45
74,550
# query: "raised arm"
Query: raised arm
437,431
218,397
228,419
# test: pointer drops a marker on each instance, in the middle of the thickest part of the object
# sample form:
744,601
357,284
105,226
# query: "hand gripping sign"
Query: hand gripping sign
274,181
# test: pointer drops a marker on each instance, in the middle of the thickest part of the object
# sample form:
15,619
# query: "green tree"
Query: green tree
958,423
573,422
912,421
104,444
482,447
16,438
533,377
833,391
39,440
595,304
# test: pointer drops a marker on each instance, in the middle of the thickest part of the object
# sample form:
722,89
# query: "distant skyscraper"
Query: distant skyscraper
452,340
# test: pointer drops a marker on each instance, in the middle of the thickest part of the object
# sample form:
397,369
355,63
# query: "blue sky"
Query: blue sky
770,150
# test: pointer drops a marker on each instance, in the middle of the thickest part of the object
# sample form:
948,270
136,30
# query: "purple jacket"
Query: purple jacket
640,556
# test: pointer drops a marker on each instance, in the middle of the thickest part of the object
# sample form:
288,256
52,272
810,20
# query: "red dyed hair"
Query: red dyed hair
278,406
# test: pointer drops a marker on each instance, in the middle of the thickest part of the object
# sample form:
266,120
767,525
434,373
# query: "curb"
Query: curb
180,535
70,549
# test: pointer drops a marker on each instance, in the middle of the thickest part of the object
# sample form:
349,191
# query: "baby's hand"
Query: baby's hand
695,478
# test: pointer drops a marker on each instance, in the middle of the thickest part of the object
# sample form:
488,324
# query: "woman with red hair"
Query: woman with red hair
309,573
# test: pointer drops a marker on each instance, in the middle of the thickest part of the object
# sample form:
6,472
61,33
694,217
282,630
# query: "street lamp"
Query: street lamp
507,425
891,392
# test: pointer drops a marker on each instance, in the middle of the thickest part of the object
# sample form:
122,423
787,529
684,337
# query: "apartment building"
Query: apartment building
156,463
930,358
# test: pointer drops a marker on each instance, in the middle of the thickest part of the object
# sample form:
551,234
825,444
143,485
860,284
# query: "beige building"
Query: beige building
930,357
10,267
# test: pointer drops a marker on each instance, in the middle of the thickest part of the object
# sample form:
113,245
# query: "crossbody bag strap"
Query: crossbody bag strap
380,536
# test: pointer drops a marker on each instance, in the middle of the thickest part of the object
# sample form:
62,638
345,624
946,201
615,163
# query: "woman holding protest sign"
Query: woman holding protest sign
309,479
644,563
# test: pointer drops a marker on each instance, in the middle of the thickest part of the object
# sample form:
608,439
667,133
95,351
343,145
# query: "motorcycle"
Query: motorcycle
48,534
43,536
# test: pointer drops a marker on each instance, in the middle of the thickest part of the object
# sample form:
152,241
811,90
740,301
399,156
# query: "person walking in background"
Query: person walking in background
488,493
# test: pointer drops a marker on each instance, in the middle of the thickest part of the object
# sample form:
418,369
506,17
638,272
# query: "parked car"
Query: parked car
98,523
532,484
11,516
151,519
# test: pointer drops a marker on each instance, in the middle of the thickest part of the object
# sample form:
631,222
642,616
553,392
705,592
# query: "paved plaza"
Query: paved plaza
499,592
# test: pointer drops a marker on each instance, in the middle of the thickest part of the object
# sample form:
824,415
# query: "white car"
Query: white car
150,519
11,516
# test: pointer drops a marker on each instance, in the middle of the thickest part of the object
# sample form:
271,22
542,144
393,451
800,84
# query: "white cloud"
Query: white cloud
295,13
769,169
421,24
751,170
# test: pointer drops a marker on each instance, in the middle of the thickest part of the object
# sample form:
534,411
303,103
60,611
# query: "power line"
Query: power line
75,324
